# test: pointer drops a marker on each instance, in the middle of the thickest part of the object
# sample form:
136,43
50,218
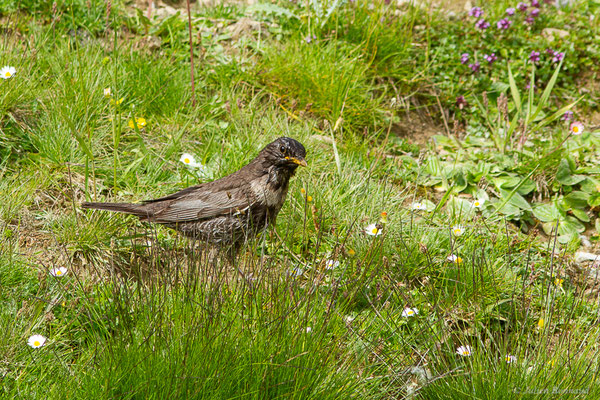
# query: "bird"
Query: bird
228,211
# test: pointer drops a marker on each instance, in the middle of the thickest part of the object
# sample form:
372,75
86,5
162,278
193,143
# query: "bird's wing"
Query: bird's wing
202,204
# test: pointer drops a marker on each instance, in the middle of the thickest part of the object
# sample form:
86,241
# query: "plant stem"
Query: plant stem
191,53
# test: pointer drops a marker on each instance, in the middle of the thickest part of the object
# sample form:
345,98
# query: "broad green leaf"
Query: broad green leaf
546,212
577,200
515,199
590,185
569,226
508,209
581,215
564,174
433,166
460,182
594,200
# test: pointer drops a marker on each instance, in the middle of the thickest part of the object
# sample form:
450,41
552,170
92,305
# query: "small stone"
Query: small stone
553,33
583,256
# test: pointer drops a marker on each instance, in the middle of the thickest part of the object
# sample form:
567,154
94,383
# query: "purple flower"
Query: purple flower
535,12
529,20
482,24
510,11
504,23
490,58
528,86
558,56
309,38
461,102
476,12
475,67
522,6
535,3
534,56
464,58
567,116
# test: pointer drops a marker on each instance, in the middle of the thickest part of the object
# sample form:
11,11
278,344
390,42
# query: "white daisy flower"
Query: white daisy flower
458,230
58,271
36,341
409,312
191,162
295,272
373,230
7,72
576,127
107,92
464,351
331,264
308,329
510,359
453,258
478,203
417,206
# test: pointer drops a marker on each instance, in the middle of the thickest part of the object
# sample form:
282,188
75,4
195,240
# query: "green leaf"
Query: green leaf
514,90
581,215
508,209
577,200
589,184
458,207
594,200
570,226
564,174
515,199
546,212
547,91
500,87
460,182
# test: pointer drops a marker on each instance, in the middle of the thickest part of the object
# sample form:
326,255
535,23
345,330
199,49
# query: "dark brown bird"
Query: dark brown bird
232,209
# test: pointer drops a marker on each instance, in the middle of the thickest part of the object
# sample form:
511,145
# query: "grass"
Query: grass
144,313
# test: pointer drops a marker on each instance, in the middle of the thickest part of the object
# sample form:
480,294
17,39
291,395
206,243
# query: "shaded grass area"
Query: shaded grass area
143,313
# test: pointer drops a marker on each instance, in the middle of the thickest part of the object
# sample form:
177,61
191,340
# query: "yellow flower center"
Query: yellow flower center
457,231
36,343
477,204
186,160
465,352
58,272
7,74
374,231
410,312
575,129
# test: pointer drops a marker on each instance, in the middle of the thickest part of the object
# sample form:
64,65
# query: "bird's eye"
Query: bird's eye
282,149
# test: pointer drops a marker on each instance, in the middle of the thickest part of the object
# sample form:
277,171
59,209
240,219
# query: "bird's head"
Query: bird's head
285,153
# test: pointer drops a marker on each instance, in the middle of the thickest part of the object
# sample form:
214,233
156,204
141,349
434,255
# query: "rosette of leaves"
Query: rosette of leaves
567,214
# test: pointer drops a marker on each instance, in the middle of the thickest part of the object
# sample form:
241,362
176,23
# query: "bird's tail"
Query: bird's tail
136,209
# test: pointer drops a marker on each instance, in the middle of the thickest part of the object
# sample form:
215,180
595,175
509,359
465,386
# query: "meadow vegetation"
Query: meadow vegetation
432,249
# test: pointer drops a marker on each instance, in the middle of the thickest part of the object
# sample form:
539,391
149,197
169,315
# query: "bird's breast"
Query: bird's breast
269,192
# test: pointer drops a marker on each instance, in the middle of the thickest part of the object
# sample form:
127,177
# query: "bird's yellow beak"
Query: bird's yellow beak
299,161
